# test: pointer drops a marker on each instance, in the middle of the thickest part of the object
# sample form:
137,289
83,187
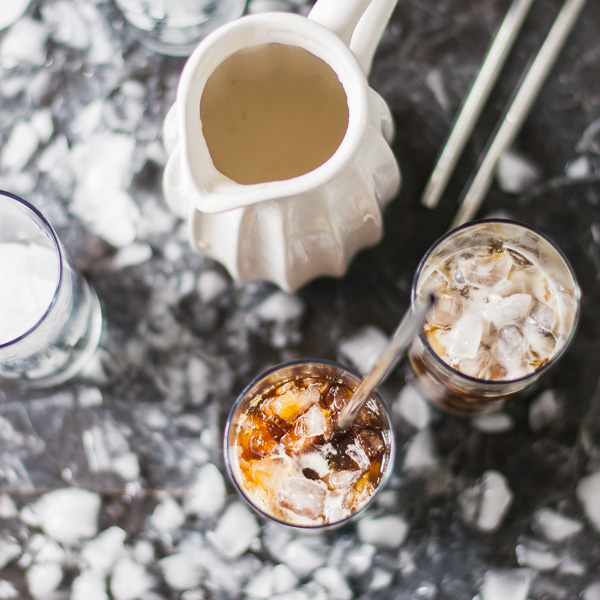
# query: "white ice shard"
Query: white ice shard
68,515
412,407
588,493
235,531
555,526
388,531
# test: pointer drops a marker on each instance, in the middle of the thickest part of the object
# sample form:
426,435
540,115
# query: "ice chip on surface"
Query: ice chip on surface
181,570
498,422
270,580
507,584
464,338
291,402
167,516
8,509
412,407
555,526
486,504
11,13
235,531
88,585
388,531
24,42
592,592
9,550
421,453
129,580
515,172
20,146
445,312
43,578
537,556
102,553
280,307
303,556
588,494
206,496
543,315
362,349
543,410
68,515
489,271
541,343
510,343
302,497
511,309
334,582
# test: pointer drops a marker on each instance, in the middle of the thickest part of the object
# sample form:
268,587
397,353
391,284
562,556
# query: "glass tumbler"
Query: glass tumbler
507,308
286,458
50,317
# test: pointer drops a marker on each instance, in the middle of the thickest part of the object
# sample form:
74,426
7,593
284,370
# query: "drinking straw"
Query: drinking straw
409,325
475,101
515,115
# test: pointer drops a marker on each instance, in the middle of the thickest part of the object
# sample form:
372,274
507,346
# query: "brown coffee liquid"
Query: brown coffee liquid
271,113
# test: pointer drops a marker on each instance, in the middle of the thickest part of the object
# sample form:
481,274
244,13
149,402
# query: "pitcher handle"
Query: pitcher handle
360,25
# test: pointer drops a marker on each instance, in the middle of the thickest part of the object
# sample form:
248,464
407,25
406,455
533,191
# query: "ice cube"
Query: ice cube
180,570
473,367
543,315
102,553
129,580
489,271
555,526
515,172
495,423
506,584
340,480
464,338
510,344
512,309
206,496
412,407
236,530
592,592
421,452
435,282
68,515
43,578
8,591
358,455
362,349
293,402
9,550
541,343
167,516
388,531
446,311
536,555
270,580
88,585
486,504
334,582
302,497
588,493
543,410
310,425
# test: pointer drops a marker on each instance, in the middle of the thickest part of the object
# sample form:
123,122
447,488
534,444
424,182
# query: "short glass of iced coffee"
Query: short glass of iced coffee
287,458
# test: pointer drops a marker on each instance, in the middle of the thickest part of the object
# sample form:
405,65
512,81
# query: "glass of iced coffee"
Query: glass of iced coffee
287,458
507,308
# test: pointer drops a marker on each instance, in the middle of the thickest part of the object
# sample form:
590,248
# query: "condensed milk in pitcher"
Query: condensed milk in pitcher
279,152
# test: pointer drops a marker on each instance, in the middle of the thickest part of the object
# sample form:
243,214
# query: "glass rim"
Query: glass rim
228,429
54,237
576,293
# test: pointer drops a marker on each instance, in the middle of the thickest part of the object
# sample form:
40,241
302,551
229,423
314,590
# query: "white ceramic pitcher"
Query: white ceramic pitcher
294,230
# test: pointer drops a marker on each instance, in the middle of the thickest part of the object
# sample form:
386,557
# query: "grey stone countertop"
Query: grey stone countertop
112,486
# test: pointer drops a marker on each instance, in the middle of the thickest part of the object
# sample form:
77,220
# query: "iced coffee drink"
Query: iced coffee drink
286,456
507,308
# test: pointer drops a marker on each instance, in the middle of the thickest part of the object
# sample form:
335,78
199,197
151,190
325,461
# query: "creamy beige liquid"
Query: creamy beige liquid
271,113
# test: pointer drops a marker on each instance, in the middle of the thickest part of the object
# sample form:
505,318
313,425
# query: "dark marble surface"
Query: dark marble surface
181,339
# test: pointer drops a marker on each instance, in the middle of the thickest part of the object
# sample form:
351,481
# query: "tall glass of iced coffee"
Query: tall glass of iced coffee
287,458
507,308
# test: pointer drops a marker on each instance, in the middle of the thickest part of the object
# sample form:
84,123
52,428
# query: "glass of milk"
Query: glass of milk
50,317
